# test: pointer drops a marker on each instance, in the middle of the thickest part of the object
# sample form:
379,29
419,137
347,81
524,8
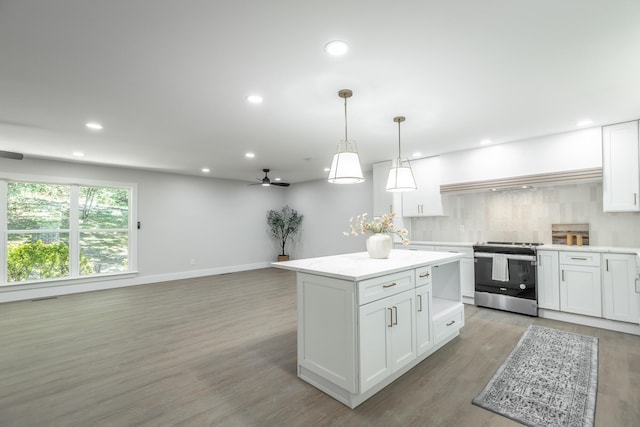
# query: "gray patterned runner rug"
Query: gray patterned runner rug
549,379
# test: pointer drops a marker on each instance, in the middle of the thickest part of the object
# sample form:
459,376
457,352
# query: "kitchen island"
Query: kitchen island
364,322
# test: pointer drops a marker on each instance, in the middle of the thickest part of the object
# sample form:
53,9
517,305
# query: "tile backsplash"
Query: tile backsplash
527,216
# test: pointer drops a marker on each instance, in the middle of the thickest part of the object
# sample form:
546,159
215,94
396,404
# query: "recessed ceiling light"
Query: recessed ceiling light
485,142
336,48
78,154
255,99
585,122
277,179
93,126
417,154
205,170
249,155
327,169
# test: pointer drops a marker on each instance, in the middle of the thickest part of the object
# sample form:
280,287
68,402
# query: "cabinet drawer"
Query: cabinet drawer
456,249
445,325
384,286
580,258
423,276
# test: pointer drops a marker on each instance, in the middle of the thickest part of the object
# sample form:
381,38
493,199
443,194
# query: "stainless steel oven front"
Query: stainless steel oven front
516,288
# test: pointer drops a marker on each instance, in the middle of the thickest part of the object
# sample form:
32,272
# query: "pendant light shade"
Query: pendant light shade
345,166
400,175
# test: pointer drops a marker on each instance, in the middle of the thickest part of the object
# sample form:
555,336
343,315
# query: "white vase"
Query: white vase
379,245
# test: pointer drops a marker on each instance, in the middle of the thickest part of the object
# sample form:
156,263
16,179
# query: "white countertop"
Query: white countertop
429,243
358,266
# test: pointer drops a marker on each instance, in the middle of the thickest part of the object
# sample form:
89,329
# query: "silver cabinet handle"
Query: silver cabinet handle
606,262
540,260
635,199
424,275
579,259
451,323
390,286
419,303
563,275
390,318
395,309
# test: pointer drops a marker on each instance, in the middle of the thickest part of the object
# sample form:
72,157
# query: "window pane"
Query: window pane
32,206
104,252
35,256
104,208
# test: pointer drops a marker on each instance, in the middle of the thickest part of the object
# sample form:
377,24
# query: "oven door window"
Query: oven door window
521,283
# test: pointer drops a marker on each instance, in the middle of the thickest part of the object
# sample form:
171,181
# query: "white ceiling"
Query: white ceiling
168,79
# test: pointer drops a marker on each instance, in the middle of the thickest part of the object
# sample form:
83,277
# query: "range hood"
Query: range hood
525,181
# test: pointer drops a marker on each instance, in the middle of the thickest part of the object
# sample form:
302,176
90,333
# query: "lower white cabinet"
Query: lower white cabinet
548,280
580,284
387,337
424,326
357,336
621,301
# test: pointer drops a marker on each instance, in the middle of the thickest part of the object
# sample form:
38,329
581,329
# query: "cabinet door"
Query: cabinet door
548,280
618,281
382,199
424,327
375,360
621,167
403,332
580,290
387,337
426,200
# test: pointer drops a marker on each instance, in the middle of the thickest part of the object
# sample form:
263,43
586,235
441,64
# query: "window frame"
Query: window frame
74,230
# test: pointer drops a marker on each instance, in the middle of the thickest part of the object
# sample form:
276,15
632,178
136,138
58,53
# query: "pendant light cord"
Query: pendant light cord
345,120
399,153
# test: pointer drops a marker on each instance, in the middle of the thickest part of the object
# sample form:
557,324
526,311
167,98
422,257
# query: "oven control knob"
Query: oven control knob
523,286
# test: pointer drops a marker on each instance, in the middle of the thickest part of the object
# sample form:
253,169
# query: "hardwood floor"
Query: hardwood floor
221,351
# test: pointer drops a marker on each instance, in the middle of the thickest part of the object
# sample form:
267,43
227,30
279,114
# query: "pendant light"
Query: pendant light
400,175
345,167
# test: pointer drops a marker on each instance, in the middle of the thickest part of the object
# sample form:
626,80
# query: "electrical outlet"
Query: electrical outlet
461,226
192,261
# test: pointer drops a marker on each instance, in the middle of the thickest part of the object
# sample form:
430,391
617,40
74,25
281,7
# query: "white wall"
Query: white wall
576,150
327,209
220,224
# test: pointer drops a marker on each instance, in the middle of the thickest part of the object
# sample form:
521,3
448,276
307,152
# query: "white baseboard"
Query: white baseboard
48,289
612,325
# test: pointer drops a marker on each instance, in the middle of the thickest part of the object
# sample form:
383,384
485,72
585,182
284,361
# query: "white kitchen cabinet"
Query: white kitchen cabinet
621,302
580,283
548,280
426,200
382,199
424,327
621,167
387,337
467,269
362,323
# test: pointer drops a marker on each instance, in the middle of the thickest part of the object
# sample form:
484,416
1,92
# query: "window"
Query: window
65,231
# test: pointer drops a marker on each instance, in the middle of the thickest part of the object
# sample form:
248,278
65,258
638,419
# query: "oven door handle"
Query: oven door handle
509,256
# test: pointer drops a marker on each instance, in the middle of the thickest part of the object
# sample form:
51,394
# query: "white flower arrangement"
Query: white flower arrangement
384,224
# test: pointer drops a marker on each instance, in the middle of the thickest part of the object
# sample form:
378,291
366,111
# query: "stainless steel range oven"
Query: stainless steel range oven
505,276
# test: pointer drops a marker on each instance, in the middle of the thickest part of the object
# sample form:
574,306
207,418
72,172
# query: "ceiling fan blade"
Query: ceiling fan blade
11,155
281,184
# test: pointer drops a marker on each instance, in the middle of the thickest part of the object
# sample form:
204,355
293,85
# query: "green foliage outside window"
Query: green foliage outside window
38,260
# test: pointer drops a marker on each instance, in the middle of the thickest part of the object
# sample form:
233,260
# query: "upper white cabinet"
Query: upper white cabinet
621,167
621,302
382,199
548,280
426,200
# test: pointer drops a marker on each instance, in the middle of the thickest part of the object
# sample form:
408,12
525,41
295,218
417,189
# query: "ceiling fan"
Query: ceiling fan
11,155
265,182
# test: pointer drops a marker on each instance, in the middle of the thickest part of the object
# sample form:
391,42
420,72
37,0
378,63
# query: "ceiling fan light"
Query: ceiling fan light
345,166
401,178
